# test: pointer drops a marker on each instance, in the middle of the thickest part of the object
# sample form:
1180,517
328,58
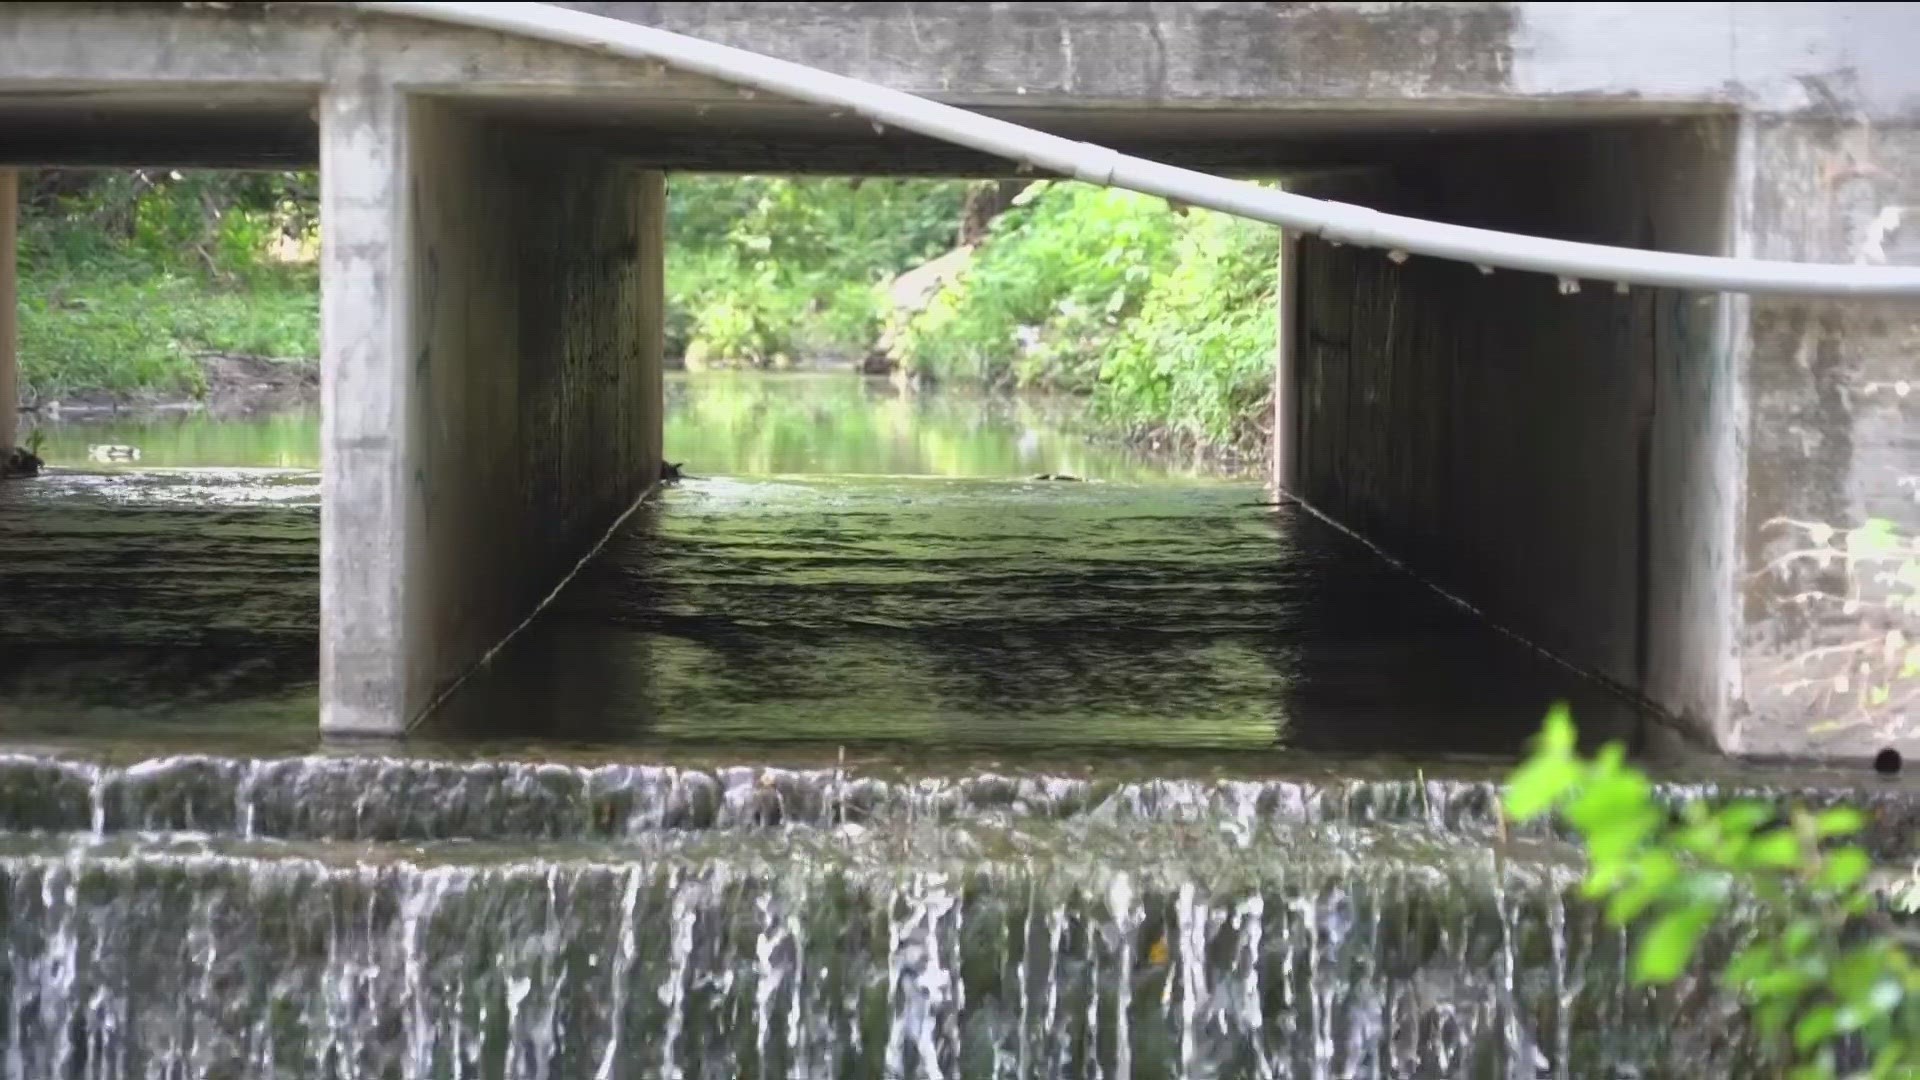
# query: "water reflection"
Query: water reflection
948,601
739,423
289,440
1008,614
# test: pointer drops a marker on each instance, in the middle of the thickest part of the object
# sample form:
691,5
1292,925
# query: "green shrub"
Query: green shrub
1057,275
1199,357
761,267
741,328
125,276
1828,973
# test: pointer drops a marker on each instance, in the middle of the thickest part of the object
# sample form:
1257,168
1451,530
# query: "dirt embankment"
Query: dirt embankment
235,386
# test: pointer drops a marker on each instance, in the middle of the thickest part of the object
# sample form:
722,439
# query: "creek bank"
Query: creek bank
235,386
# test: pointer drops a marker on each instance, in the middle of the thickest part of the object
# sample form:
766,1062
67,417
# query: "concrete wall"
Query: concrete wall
491,390
1553,459
1827,619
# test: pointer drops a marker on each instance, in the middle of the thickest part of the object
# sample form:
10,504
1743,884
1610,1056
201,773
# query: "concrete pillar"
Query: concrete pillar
491,325
9,311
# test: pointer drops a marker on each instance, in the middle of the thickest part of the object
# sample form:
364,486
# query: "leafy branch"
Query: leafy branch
1831,976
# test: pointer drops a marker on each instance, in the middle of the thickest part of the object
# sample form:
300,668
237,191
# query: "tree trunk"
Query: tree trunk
986,199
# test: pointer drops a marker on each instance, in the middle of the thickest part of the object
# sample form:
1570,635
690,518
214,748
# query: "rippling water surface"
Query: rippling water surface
931,605
859,754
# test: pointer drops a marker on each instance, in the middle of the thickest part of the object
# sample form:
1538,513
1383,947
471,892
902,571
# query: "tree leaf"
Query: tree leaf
1750,963
1653,875
1815,1027
1666,950
1779,849
1537,786
1844,869
1876,537
1839,821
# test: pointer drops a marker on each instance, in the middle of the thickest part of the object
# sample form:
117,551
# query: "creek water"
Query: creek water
857,754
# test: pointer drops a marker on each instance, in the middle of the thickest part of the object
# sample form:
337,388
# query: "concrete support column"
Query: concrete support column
9,311
366,432
491,324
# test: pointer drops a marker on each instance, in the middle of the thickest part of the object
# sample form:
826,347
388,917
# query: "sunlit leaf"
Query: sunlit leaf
1750,963
1538,785
1838,821
1815,1027
1844,869
1667,949
1778,849
1745,816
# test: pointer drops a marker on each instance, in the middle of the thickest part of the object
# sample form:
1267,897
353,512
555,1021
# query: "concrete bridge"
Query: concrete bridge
1667,490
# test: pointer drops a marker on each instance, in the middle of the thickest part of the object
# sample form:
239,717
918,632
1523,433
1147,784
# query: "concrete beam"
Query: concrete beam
1628,57
113,83
9,311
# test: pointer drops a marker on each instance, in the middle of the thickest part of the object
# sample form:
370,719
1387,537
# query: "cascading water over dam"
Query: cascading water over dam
369,916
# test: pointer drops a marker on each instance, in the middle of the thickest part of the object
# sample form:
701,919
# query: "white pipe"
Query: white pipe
1342,222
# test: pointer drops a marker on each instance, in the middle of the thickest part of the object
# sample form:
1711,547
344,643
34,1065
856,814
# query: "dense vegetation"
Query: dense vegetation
126,276
1166,319
765,268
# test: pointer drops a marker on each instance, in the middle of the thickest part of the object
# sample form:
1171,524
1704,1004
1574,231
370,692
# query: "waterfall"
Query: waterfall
370,916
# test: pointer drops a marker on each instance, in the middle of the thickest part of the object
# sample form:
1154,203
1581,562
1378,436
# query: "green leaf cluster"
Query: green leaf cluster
1168,319
762,268
1830,974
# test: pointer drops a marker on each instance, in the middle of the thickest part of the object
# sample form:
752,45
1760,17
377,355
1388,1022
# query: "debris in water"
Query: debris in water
1887,762
1058,476
20,464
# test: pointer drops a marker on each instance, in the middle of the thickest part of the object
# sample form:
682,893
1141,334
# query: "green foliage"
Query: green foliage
1199,357
1056,277
1169,319
1827,972
765,267
125,276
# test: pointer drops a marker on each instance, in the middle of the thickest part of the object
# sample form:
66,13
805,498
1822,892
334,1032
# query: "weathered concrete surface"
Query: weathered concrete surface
1239,55
1245,87
1829,616
491,395
1712,502
1553,459
9,311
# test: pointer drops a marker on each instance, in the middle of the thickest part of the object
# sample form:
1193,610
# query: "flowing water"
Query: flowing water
938,771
